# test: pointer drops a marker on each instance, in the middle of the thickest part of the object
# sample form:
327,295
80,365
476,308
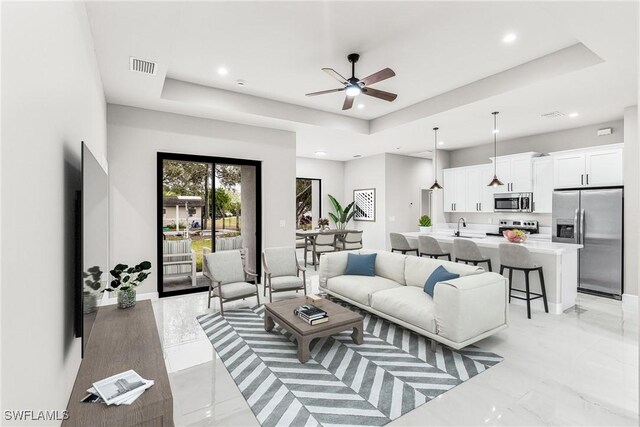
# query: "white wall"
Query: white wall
368,172
331,173
632,200
136,135
52,99
404,178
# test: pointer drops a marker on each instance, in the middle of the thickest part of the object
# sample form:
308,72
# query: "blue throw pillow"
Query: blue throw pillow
440,274
361,265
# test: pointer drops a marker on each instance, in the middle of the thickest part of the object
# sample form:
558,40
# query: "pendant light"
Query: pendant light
495,182
435,185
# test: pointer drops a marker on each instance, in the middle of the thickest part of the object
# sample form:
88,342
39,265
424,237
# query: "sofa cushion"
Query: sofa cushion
440,274
359,288
361,265
418,269
407,303
389,265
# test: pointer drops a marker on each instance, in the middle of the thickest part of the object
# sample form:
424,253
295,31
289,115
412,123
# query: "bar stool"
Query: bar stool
517,257
468,252
400,243
430,247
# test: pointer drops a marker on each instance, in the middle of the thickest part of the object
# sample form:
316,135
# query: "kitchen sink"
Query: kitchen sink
466,236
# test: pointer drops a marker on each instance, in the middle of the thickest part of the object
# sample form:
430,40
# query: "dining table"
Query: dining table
310,236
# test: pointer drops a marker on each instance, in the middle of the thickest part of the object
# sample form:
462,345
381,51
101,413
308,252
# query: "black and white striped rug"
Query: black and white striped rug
393,372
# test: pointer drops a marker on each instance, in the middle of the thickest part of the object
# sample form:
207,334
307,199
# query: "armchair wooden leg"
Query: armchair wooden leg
304,282
255,282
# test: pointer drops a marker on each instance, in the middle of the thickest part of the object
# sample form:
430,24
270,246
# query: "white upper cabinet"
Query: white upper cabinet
455,192
515,173
542,168
591,167
603,167
466,190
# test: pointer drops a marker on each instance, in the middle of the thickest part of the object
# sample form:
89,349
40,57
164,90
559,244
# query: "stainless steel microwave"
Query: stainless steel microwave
512,202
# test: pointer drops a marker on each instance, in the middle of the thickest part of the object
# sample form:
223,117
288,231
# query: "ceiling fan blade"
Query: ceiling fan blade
333,73
387,96
322,92
378,77
348,102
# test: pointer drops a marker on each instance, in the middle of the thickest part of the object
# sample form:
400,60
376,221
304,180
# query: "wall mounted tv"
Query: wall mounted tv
93,243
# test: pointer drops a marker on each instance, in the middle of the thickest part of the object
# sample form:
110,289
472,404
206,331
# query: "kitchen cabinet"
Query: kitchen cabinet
542,168
455,192
591,167
515,173
466,190
479,194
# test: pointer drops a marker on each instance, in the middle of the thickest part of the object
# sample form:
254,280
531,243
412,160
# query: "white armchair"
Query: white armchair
229,278
282,271
179,259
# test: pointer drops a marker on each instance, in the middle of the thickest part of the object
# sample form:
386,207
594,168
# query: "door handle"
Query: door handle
533,206
582,226
587,179
576,230
581,179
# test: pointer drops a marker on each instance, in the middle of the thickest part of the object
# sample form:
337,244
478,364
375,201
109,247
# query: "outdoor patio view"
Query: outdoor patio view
206,207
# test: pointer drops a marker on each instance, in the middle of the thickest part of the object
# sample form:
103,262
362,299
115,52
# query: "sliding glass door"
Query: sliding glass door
205,204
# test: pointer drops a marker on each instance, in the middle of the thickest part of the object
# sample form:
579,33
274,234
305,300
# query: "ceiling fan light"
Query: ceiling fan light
353,90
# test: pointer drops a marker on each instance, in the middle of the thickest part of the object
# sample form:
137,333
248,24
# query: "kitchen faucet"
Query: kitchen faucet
464,224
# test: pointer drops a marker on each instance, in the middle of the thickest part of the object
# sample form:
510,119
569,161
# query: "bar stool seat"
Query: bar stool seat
517,257
400,243
467,251
428,246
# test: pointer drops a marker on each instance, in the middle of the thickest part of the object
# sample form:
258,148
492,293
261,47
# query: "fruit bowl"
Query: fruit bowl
515,236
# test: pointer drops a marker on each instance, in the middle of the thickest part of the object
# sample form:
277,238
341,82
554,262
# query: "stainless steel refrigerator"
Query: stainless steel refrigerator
594,219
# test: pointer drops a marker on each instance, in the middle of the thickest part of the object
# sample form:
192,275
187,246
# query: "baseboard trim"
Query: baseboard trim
107,299
630,301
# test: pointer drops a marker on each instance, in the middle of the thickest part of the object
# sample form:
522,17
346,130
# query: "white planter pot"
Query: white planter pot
425,230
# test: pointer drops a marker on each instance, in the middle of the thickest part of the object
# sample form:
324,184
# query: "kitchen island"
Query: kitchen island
558,260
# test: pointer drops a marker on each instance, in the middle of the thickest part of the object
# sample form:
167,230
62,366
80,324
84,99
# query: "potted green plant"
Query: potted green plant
425,224
125,280
91,289
343,215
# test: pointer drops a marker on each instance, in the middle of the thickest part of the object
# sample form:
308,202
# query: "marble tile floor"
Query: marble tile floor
578,368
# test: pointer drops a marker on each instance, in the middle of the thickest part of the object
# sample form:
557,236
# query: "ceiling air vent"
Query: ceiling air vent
142,66
552,115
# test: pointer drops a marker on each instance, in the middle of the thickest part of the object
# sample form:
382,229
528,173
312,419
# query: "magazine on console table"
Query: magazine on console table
123,388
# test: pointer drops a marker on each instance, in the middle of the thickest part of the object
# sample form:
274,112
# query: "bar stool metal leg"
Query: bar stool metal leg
526,284
544,291
510,282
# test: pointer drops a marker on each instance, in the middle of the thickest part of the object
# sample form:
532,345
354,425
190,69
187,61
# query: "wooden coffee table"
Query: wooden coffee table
340,319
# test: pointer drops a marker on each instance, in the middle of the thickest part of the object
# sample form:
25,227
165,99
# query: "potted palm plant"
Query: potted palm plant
343,215
125,280
425,224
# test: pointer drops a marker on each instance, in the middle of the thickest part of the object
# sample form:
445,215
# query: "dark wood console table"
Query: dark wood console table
122,340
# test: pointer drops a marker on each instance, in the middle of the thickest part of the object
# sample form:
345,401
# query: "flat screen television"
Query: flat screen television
93,243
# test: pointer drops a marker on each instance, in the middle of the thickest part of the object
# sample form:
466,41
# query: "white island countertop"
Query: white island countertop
535,243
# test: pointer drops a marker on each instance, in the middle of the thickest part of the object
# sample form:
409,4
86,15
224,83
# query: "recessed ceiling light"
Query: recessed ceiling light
223,71
496,130
509,38
572,115
440,142
241,82
360,105
321,153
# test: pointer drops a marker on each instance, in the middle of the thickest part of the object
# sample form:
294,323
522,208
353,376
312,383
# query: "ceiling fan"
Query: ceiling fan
354,86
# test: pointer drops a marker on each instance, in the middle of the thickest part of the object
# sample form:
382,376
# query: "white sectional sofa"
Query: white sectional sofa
461,312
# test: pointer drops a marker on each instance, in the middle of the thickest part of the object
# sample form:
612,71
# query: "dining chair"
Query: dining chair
352,240
318,245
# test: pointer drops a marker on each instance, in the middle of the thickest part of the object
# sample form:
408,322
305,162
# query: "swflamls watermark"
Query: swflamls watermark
31,415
